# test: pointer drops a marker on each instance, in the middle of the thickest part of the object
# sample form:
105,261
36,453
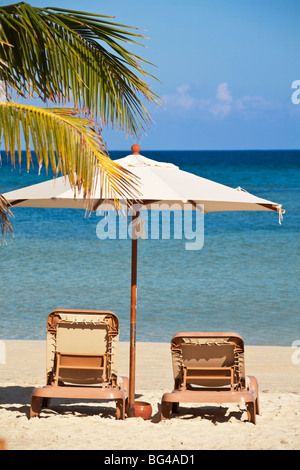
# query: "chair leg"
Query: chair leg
175,408
35,407
254,386
251,412
45,402
257,407
120,409
165,410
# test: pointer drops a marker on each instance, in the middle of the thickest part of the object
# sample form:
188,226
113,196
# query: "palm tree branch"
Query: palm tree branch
71,144
59,55
5,215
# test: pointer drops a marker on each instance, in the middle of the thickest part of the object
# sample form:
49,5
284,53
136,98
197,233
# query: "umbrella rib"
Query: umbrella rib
17,201
96,205
270,206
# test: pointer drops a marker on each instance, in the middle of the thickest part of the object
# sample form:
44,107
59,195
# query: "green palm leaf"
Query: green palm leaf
68,143
65,56
61,55
5,215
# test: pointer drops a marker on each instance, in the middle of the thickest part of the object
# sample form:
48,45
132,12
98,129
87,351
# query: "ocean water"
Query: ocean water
244,279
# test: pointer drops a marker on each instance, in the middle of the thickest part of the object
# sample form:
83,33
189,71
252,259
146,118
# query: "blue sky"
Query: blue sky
225,67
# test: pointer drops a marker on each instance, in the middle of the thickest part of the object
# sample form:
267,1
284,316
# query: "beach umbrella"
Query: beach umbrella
162,186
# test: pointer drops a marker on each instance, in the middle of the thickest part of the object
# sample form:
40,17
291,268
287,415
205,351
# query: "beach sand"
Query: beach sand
92,426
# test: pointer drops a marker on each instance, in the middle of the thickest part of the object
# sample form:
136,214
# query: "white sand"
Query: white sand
93,425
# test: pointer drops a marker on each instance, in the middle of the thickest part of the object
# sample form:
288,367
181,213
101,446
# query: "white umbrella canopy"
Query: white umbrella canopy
157,182
160,184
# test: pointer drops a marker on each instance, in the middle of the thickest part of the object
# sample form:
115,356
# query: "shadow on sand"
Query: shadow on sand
17,399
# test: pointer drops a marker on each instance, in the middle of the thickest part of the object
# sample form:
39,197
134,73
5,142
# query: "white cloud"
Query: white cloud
183,88
254,102
221,106
180,99
186,98
220,109
223,94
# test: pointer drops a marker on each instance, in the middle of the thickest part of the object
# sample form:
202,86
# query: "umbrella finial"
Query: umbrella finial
135,148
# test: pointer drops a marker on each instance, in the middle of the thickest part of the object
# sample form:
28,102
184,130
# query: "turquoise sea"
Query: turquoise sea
244,279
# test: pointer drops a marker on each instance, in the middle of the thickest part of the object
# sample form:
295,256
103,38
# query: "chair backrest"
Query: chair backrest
211,359
82,347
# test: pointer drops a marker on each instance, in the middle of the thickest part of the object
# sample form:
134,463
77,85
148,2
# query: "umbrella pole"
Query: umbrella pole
131,396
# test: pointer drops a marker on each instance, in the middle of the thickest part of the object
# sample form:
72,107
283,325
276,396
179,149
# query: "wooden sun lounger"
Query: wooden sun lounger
210,368
81,360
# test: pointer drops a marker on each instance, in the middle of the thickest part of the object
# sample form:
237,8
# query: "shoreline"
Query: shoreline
93,426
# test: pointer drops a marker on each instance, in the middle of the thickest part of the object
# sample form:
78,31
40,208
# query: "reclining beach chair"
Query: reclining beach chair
210,368
81,359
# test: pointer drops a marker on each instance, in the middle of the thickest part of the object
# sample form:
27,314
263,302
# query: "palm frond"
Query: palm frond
68,143
5,215
70,56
